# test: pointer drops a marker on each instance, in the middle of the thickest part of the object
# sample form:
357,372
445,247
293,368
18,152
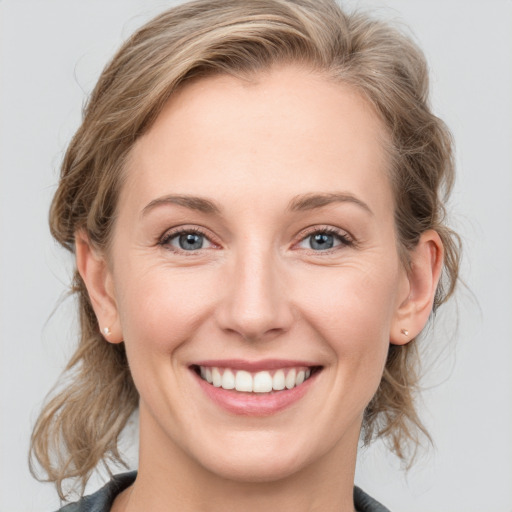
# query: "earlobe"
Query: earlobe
97,277
426,263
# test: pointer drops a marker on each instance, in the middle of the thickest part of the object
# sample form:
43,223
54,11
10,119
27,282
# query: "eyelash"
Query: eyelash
168,236
344,239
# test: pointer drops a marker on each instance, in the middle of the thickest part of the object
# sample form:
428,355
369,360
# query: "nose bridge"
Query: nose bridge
256,304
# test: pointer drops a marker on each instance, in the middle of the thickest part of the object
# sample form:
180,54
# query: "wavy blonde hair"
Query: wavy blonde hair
80,424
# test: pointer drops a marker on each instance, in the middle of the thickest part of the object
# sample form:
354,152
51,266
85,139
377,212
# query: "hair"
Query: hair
79,427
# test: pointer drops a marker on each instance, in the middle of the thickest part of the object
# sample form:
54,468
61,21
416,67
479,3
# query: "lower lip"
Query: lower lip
255,404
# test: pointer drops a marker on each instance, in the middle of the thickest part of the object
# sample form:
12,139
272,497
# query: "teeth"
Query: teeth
259,382
216,377
243,381
262,382
228,379
278,380
290,379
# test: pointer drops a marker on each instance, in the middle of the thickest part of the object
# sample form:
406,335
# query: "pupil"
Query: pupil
322,241
191,241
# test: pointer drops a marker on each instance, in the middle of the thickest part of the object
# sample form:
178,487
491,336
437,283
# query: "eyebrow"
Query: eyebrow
299,203
192,202
312,201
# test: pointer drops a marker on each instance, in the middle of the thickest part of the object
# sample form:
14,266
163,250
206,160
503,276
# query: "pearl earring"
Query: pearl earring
107,331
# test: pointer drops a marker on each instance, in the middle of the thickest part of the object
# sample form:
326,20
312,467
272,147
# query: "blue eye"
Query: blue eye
187,241
323,240
190,241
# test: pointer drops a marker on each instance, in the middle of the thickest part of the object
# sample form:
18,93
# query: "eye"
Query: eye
324,239
186,240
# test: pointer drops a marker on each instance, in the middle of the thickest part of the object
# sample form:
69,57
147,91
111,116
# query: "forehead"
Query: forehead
289,128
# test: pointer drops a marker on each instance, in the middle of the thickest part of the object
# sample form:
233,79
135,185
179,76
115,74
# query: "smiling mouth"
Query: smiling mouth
275,380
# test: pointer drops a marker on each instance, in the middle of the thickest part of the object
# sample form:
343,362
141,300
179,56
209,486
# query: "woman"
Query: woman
254,200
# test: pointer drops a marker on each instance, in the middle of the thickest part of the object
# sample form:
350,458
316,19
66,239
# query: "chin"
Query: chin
268,460
256,470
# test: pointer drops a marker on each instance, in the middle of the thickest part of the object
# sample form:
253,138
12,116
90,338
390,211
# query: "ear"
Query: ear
93,269
426,263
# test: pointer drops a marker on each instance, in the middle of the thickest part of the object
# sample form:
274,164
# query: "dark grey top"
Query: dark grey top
101,501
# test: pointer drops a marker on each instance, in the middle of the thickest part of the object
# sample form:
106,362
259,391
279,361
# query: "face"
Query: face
255,247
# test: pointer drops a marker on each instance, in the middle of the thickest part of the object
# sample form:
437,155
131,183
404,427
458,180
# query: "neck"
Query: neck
169,479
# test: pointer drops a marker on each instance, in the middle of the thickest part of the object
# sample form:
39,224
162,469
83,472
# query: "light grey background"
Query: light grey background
50,56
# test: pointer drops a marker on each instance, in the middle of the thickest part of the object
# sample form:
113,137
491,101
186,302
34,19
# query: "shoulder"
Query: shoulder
101,501
365,503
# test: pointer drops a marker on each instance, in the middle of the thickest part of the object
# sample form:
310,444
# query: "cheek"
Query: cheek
351,300
160,310
159,313
353,315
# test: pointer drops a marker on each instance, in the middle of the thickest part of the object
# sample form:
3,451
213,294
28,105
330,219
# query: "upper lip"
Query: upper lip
254,366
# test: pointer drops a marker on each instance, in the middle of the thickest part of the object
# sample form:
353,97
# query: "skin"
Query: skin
257,289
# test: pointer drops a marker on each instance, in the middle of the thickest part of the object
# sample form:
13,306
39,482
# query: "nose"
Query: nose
256,304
